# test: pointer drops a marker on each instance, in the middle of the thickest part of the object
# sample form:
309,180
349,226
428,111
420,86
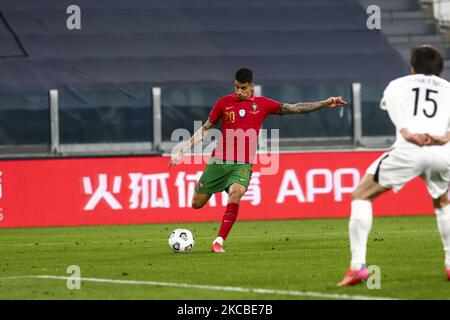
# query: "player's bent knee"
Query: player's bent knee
358,195
197,205
199,200
236,194
368,189
355,196
367,195
441,202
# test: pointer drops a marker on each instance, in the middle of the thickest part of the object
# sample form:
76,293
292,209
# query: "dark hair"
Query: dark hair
427,60
244,75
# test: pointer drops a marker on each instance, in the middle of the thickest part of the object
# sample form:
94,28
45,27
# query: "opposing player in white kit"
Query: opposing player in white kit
419,107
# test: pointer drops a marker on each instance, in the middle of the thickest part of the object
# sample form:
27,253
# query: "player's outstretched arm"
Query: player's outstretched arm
198,136
305,107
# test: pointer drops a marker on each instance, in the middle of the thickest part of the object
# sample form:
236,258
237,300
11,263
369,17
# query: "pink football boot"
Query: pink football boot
217,247
353,277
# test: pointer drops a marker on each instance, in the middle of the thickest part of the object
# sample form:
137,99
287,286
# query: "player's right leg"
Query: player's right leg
442,210
235,193
237,180
360,225
437,177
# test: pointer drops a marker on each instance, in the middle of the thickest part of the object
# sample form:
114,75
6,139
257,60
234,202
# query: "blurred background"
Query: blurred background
137,70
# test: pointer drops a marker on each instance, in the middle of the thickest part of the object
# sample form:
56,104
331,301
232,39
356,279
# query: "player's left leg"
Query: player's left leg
200,199
360,222
235,193
360,225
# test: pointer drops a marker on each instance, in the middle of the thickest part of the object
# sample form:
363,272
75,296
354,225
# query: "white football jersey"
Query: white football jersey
420,103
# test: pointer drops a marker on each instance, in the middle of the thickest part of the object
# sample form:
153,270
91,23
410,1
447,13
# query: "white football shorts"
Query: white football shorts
403,163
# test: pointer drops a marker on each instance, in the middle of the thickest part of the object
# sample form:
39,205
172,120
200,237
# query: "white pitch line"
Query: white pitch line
207,287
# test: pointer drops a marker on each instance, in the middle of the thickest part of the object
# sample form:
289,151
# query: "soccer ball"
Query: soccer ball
181,240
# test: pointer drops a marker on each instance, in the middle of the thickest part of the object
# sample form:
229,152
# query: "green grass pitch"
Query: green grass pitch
290,259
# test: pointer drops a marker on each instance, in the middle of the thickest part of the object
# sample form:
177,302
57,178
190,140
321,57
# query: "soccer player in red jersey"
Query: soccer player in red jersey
230,165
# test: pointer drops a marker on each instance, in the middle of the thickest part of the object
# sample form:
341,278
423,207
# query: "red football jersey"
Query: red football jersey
241,121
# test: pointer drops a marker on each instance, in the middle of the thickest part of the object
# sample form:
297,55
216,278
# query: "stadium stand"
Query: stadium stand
179,43
405,23
124,48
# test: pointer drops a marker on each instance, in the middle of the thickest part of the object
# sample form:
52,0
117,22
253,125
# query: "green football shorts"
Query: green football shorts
219,176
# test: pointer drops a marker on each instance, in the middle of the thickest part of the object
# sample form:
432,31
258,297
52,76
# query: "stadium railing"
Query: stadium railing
145,127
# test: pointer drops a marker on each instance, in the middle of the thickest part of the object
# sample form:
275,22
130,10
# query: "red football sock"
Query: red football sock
229,217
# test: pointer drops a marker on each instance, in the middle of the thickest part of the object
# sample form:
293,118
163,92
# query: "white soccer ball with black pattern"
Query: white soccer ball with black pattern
181,240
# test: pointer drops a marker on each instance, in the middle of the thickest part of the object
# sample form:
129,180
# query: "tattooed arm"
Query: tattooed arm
198,136
305,107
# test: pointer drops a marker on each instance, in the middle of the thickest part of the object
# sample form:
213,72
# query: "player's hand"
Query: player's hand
332,102
420,139
439,140
176,159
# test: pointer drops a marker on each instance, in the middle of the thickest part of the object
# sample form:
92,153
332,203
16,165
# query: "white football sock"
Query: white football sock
359,229
219,240
443,222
